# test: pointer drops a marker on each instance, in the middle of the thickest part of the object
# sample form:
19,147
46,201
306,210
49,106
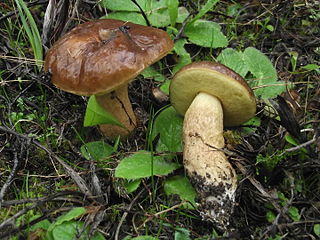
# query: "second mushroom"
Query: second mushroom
211,96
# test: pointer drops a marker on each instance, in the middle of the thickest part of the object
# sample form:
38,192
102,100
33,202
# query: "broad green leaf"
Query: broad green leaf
95,115
71,230
180,185
182,14
133,17
165,86
184,56
98,151
206,34
234,60
44,224
151,73
265,74
204,9
169,125
182,234
142,164
124,5
132,185
72,214
316,229
159,14
172,6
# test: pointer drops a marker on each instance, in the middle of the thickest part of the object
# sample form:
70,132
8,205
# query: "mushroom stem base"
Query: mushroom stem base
118,104
207,166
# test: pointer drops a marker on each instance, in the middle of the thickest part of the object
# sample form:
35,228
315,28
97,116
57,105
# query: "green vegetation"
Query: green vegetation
61,177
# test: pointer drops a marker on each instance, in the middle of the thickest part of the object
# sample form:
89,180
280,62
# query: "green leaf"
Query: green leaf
254,122
204,9
72,214
266,76
44,224
159,14
95,114
143,164
151,73
182,14
180,185
234,60
132,185
124,5
98,151
270,216
182,234
184,56
172,6
316,229
311,67
169,125
294,213
140,238
165,86
206,34
71,230
133,17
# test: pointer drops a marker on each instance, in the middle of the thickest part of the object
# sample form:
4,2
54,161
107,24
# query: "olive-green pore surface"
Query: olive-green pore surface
237,99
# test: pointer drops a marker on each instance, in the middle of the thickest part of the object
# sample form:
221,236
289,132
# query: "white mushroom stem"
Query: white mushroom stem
207,166
118,104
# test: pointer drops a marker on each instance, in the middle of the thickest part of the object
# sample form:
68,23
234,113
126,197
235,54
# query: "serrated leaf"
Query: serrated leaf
266,76
124,5
169,125
234,60
98,151
184,56
172,6
133,17
181,186
95,115
206,34
143,164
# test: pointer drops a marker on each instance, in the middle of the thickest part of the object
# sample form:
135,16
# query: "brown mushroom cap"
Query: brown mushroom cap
236,97
96,57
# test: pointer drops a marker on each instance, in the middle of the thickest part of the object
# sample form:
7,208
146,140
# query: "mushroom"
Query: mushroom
100,58
210,96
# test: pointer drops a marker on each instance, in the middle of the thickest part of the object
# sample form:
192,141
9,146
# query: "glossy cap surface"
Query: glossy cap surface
236,97
96,57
